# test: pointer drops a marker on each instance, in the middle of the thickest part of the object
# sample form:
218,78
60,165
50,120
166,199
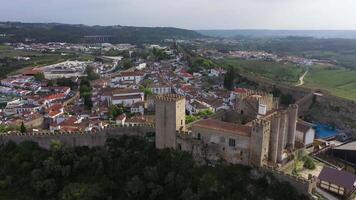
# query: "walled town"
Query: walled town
152,89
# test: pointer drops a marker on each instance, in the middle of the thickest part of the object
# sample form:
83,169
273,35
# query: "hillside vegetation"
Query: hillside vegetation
280,72
338,81
127,168
76,33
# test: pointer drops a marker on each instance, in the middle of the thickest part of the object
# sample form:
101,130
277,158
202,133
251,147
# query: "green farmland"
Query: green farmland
338,81
280,72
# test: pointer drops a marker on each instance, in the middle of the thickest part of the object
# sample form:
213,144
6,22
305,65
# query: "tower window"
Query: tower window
232,142
199,136
181,122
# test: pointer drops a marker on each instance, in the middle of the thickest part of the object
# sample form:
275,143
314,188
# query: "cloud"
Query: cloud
193,14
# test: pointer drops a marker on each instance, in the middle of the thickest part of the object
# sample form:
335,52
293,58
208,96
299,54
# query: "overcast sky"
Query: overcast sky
191,14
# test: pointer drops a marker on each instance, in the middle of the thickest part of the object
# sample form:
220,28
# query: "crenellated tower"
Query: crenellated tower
259,142
170,118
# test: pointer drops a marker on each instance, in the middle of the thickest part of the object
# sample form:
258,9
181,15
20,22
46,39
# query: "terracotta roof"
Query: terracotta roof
136,96
136,120
240,90
224,126
132,73
125,91
121,117
56,96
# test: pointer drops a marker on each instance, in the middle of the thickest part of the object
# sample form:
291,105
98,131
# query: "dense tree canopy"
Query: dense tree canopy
125,168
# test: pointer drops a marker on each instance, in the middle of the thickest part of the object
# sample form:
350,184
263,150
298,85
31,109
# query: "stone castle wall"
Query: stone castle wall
90,139
303,186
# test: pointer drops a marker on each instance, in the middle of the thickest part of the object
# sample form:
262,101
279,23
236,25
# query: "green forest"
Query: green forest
54,32
125,168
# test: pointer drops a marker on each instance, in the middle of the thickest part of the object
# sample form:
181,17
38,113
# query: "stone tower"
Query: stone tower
292,125
282,137
259,143
274,139
170,118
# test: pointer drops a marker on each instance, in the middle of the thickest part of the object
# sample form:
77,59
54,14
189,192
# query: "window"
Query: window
199,136
222,139
179,146
181,122
232,142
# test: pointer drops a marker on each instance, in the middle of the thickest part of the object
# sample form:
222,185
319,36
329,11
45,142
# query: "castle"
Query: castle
267,139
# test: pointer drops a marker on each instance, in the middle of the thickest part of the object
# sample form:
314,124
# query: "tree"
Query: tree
87,101
229,78
91,74
23,128
127,64
39,77
115,111
309,163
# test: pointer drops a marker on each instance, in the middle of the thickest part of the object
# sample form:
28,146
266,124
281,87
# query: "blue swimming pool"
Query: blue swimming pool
324,131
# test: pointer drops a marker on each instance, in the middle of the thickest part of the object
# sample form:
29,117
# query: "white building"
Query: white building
135,77
68,69
126,97
305,133
138,107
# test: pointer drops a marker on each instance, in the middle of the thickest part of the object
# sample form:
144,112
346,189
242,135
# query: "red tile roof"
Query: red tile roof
224,126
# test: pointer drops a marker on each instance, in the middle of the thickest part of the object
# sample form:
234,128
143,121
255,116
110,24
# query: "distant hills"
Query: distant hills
346,34
54,32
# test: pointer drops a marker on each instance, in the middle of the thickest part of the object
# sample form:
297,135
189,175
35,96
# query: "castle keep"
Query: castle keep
170,117
268,138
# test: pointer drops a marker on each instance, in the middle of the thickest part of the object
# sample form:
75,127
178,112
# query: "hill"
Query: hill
54,32
346,34
127,168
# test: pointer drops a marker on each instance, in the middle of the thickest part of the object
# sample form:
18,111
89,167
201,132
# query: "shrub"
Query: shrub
309,163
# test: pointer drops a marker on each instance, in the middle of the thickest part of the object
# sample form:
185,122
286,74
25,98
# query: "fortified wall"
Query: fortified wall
73,139
303,186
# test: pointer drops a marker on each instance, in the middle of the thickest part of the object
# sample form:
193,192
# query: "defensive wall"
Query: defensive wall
326,108
73,139
303,186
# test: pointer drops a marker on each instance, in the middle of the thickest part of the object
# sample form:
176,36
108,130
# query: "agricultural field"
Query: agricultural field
338,81
281,72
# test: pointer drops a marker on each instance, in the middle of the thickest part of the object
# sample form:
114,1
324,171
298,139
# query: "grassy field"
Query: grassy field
281,72
338,81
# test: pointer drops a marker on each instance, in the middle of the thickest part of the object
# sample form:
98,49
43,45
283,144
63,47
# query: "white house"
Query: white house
305,133
138,107
161,89
127,97
135,77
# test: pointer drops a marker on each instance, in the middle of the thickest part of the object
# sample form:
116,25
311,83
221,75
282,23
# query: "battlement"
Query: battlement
170,97
95,131
293,106
260,123
292,177
255,92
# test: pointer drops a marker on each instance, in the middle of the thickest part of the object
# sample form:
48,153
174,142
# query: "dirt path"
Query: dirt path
301,79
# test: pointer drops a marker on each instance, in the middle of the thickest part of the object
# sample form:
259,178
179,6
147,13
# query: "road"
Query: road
301,79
